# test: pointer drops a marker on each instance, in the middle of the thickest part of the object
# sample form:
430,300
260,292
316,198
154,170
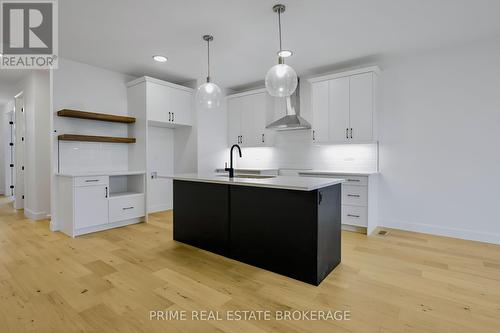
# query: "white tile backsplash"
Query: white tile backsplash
294,150
92,156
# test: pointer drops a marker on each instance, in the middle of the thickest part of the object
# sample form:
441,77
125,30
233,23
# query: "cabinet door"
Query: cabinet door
181,105
234,106
260,104
361,107
319,96
248,134
158,102
91,206
338,118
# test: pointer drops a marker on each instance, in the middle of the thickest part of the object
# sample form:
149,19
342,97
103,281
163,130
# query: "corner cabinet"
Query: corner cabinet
248,115
344,106
166,104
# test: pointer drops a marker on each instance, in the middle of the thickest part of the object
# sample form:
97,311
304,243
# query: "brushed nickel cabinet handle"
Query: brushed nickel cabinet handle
351,133
262,137
126,208
347,133
356,216
353,180
91,180
169,116
314,135
173,119
353,195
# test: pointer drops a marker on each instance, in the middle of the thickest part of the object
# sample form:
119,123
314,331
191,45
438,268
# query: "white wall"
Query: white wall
440,135
83,87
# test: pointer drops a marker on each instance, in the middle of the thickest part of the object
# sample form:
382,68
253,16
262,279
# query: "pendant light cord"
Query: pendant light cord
208,60
279,26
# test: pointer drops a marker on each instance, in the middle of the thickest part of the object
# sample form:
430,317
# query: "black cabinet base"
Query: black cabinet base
293,233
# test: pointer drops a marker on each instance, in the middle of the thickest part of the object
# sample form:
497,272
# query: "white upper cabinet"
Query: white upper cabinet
166,104
338,120
248,115
361,107
319,96
181,107
343,106
234,106
158,102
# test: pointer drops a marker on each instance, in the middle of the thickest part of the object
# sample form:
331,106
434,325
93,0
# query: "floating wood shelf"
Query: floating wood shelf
95,116
93,138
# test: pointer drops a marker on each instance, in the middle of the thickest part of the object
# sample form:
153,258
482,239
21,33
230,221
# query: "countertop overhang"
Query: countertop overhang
278,182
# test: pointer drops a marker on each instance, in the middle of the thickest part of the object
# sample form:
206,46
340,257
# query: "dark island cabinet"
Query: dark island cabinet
201,215
290,232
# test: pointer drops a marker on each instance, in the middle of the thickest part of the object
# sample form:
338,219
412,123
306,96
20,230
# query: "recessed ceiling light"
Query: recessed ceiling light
160,58
285,53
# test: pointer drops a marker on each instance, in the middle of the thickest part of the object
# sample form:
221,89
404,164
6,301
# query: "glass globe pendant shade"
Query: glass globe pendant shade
281,80
208,96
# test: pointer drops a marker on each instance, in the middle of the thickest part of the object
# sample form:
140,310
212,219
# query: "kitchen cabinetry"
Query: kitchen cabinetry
248,115
91,205
166,104
359,198
344,106
99,202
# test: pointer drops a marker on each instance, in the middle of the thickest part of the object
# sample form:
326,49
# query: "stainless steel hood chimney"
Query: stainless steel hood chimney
292,120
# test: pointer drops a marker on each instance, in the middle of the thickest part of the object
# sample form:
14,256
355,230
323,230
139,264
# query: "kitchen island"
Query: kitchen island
288,225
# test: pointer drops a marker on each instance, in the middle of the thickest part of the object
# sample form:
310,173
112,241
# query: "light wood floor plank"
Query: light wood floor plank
111,280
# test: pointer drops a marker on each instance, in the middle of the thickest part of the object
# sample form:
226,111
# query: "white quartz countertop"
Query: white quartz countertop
280,182
330,172
99,173
247,169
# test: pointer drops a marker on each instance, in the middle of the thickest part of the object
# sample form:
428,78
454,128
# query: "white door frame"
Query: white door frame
20,140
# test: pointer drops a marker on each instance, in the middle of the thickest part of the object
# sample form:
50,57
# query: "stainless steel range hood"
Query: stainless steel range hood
292,120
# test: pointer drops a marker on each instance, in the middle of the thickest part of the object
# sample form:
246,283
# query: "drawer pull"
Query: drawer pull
356,216
353,180
91,180
353,195
126,208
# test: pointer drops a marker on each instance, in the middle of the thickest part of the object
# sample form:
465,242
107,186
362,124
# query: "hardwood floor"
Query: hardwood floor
110,281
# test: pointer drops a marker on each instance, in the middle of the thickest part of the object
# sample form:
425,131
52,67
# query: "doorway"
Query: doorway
19,150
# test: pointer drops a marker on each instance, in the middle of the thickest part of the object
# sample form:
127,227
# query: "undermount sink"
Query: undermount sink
250,176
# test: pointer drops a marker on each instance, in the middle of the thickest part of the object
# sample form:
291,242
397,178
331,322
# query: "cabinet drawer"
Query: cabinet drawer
354,180
354,195
88,181
126,207
354,215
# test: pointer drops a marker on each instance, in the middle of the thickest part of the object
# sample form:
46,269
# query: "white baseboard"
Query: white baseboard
467,234
159,208
35,215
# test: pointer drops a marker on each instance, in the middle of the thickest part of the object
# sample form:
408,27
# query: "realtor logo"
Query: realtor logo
29,34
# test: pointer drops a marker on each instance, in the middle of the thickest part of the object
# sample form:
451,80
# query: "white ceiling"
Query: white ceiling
123,35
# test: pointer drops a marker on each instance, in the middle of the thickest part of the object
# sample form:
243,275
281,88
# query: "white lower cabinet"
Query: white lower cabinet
91,205
359,199
94,203
126,207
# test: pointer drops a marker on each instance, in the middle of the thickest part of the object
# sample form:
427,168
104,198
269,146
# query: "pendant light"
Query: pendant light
281,79
208,95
